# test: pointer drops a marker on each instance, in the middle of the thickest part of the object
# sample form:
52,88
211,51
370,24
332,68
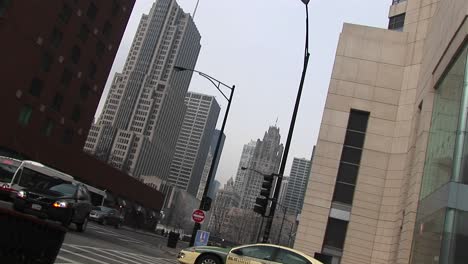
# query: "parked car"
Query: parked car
56,199
106,216
257,253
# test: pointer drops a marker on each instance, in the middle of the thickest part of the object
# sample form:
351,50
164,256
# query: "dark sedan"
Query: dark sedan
106,216
57,200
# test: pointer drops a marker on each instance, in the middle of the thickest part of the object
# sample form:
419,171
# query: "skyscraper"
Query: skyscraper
194,142
138,128
297,184
246,157
266,158
209,160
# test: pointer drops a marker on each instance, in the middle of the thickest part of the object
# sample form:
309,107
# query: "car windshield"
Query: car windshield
8,168
32,179
65,189
103,209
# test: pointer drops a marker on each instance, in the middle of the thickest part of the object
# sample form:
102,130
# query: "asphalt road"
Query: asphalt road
107,245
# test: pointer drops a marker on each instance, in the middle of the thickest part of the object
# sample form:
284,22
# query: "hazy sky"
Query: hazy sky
258,46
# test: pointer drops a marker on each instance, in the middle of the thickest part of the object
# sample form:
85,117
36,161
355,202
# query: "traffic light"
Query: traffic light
261,203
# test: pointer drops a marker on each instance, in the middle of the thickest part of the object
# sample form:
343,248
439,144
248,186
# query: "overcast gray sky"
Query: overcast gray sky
258,46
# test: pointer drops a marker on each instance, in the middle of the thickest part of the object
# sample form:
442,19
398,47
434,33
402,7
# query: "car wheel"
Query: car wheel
82,227
208,259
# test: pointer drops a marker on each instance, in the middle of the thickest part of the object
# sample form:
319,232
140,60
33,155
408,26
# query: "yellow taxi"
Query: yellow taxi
246,254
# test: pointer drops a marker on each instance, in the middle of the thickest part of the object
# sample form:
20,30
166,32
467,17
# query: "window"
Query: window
286,256
355,139
36,87
335,233
48,127
57,102
259,252
76,113
46,62
92,70
358,120
397,22
56,38
84,91
66,78
84,32
100,49
3,6
92,11
107,29
65,14
75,54
347,173
67,136
351,155
25,115
343,193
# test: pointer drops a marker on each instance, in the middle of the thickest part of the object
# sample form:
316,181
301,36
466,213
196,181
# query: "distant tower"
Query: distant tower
297,184
266,159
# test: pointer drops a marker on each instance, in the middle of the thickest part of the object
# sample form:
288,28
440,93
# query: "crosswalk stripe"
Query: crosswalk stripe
83,256
69,261
99,255
141,259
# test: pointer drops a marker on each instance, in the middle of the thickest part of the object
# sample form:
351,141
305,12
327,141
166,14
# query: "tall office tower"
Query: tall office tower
225,199
298,179
208,162
194,142
284,188
140,122
265,160
245,160
389,180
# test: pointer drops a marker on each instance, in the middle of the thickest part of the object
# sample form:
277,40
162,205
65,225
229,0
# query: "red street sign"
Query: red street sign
198,216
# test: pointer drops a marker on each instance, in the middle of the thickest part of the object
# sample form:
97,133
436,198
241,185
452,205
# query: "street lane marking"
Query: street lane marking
83,256
68,261
128,256
97,254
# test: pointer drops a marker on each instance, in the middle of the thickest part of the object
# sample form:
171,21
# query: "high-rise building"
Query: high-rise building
265,160
298,179
389,182
138,128
283,189
208,162
55,59
226,199
245,161
194,142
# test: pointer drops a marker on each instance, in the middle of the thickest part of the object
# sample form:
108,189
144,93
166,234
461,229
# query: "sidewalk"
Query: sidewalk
170,251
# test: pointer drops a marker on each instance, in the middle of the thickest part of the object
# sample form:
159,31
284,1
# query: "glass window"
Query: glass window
100,49
65,14
48,127
57,102
36,87
286,256
92,11
46,62
84,32
259,252
351,155
439,165
427,238
76,114
66,77
107,29
355,139
8,168
64,188
347,173
56,37
358,120
343,193
75,54
335,233
25,115
32,179
397,22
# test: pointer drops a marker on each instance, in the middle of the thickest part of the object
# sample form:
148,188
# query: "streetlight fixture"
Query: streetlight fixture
217,84
269,222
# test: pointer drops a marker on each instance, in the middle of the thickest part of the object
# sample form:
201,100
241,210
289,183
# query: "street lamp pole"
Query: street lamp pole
217,84
269,221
